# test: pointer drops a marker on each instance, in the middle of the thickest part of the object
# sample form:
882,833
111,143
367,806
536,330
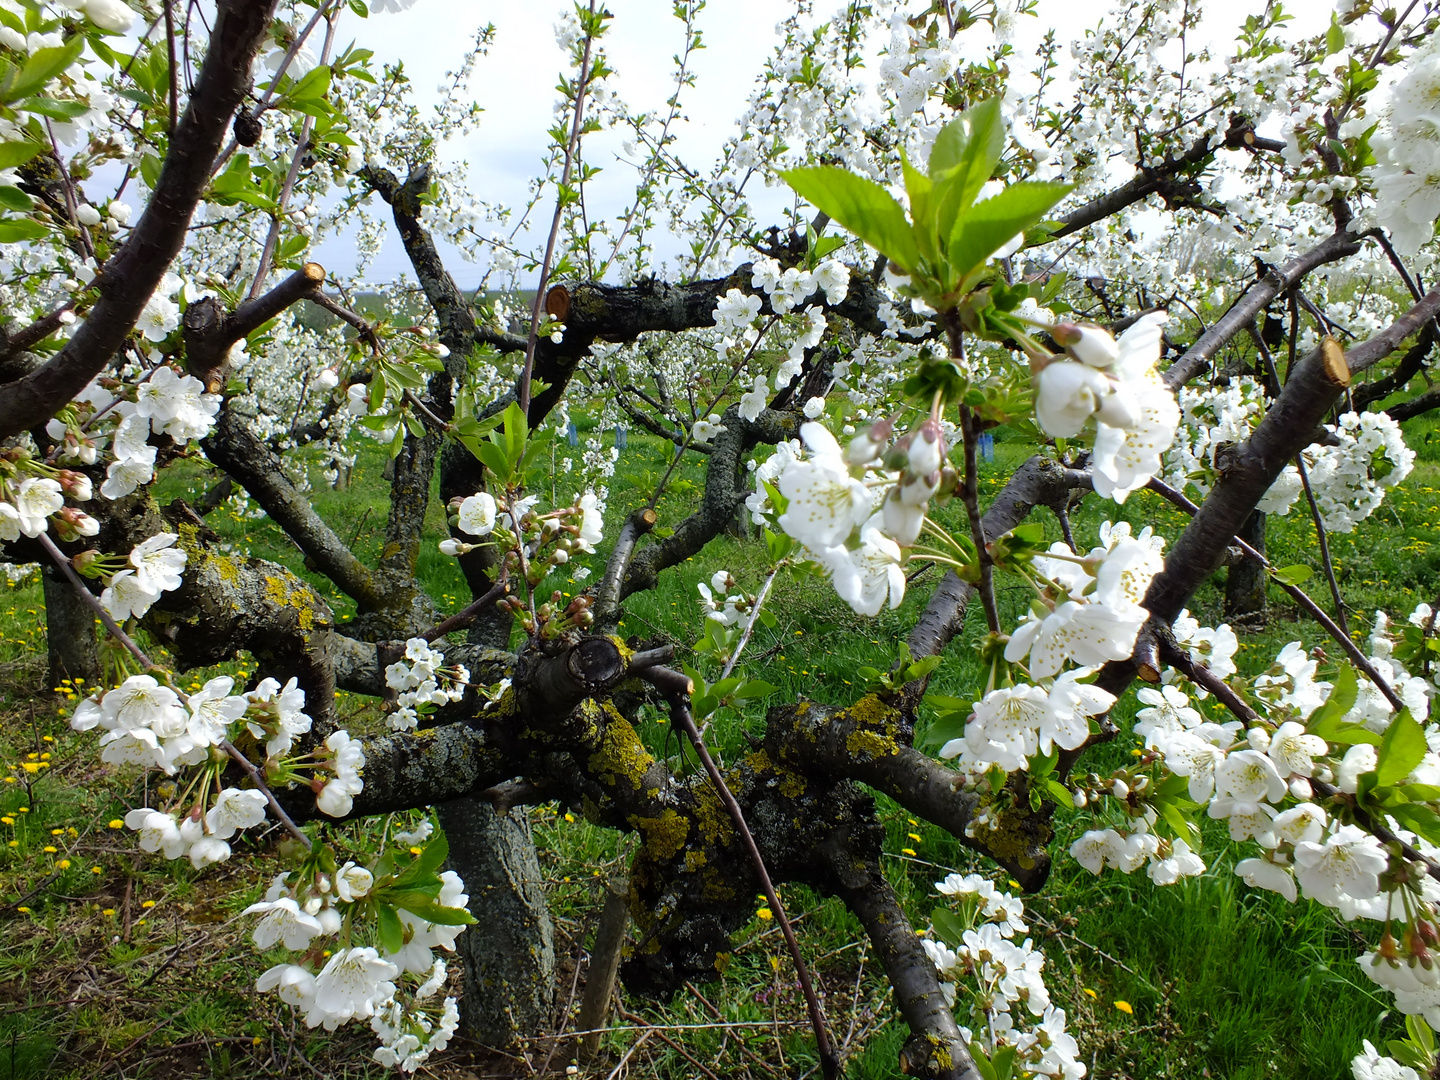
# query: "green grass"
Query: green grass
1224,981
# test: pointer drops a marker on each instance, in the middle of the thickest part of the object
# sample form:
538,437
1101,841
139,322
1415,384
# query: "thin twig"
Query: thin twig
677,689
249,769
467,615
571,150
1358,658
750,626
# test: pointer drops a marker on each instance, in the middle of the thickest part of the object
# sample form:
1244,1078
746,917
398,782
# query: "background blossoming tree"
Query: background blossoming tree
972,247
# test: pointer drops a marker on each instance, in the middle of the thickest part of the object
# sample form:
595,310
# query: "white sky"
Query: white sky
516,82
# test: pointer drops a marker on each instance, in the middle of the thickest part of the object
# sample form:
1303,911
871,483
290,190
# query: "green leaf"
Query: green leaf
1420,819
14,230
1178,821
1334,37
427,909
948,926
862,206
1059,792
43,65
1293,575
982,1061
754,688
17,153
988,226
919,189
967,149
1422,1033
55,110
1401,749
391,929
12,198
512,434
313,87
1341,700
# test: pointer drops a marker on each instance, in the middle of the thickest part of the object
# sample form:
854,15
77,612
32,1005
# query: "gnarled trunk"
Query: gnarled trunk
509,955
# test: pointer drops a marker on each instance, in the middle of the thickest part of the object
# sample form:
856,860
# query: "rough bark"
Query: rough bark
1246,579
70,639
510,963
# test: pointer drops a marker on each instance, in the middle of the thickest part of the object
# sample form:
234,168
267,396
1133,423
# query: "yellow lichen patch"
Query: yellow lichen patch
870,712
621,755
712,817
868,746
694,860
1006,836
664,835
722,962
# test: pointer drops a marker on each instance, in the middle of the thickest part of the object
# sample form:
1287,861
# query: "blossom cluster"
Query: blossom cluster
1115,381
154,567
993,982
1364,454
396,990
422,682
1407,152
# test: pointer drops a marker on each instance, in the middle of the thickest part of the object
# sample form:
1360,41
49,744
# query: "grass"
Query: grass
125,965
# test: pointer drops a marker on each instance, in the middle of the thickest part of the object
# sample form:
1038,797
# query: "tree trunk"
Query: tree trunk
69,632
509,955
1246,580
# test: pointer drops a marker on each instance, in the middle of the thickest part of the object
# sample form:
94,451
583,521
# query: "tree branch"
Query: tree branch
131,277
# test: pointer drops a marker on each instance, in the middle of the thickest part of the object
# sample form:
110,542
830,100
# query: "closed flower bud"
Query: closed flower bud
327,379
1088,344
927,450
1119,789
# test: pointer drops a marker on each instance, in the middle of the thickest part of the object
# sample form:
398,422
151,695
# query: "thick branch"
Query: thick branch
936,1049
1039,482
1161,178
133,274
210,331
235,448
1255,299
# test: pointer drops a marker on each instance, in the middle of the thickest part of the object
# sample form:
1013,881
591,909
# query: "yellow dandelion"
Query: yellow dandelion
765,913
7,820
63,864
116,823
109,911
414,851
148,904
50,849
26,910
97,869
914,836
908,851
1091,994
1125,1007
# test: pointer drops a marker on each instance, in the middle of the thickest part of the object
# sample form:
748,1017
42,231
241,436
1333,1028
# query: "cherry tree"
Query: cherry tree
1147,273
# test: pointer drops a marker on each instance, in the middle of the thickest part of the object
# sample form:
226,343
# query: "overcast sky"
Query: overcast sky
516,82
